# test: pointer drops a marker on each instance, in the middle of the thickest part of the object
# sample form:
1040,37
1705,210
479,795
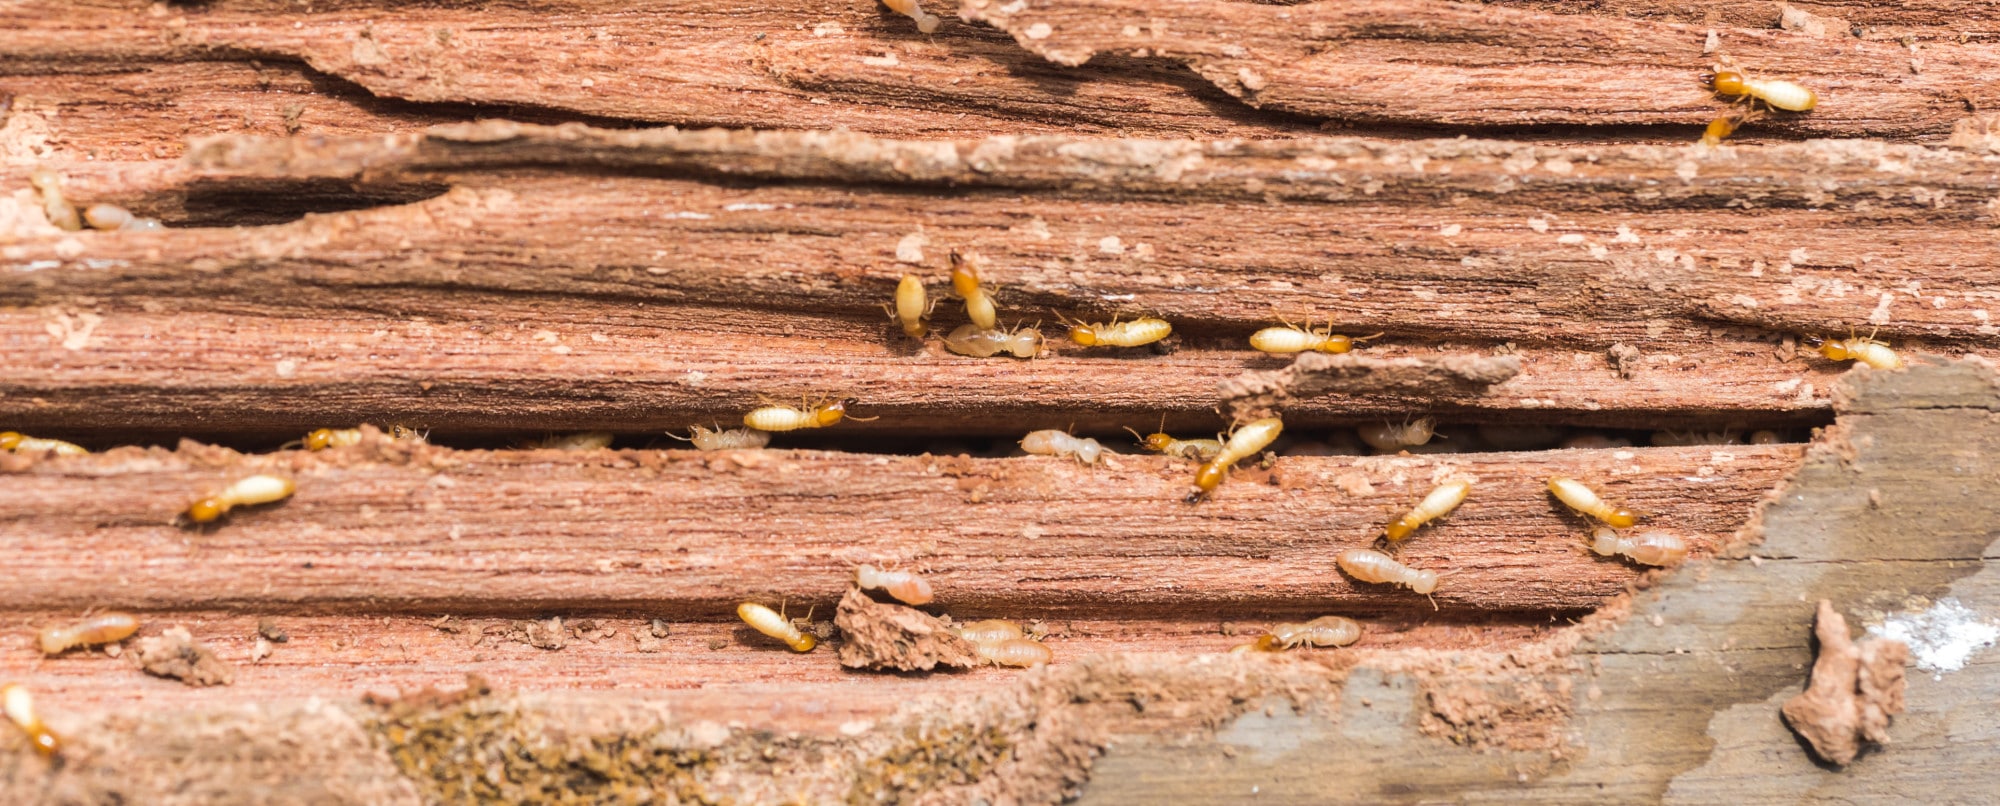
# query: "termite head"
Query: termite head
1621,518
1210,477
830,413
1079,332
1154,442
1718,130
1424,582
10,440
319,440
1834,349
1400,529
1728,82
205,510
964,273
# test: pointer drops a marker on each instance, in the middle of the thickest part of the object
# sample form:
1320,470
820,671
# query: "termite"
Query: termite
324,438
585,441
907,587
1019,652
912,307
1582,499
1200,450
1387,437
1783,95
20,707
1325,631
965,282
1648,548
810,415
103,628
724,439
927,23
16,442
258,489
60,212
1855,348
1050,442
989,631
1136,333
1369,565
112,217
1294,339
972,340
1445,498
767,621
1245,441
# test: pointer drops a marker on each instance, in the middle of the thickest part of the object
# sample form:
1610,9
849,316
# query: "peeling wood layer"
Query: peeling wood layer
423,529
1472,65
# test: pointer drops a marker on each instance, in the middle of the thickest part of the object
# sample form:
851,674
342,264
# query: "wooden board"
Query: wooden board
352,237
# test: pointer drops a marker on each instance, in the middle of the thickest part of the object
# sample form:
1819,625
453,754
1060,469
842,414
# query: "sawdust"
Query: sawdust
880,635
1856,688
174,653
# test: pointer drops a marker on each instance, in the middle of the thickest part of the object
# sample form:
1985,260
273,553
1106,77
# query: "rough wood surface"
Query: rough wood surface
643,284
351,239
684,533
1576,716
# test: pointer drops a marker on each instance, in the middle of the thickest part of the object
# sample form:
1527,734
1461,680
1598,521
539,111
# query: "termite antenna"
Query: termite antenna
1135,435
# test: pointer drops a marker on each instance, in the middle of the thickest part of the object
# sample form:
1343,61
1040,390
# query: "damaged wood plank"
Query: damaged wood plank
650,280
1428,62
788,64
1576,717
422,529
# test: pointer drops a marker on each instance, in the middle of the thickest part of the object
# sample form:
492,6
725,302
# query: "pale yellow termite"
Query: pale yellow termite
1020,652
581,441
1576,496
808,415
966,283
989,631
907,587
20,707
251,490
972,340
1244,442
1783,95
1294,339
1325,631
16,442
769,622
1441,500
724,439
1388,437
927,23
60,212
1200,450
1855,348
1136,333
323,438
912,307
103,628
1050,442
113,217
1369,565
1648,548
